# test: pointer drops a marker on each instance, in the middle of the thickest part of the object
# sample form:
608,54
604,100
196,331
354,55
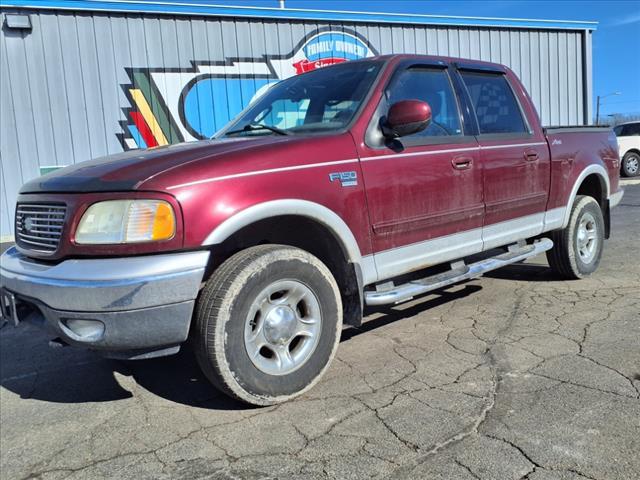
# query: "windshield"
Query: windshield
323,100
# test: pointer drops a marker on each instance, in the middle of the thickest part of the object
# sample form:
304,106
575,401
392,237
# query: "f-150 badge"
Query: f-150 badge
347,179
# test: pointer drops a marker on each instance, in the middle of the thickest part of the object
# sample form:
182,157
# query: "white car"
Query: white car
629,143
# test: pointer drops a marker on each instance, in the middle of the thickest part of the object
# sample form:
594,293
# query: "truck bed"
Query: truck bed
574,129
576,150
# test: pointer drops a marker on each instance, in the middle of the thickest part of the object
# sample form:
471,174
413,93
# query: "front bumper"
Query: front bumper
140,304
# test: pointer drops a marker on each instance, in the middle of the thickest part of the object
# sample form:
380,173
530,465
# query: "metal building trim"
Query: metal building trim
177,7
587,50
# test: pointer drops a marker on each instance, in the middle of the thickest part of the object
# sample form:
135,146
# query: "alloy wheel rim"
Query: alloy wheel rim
282,328
587,238
632,165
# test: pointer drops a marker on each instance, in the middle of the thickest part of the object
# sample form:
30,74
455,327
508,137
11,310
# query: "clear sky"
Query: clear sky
616,42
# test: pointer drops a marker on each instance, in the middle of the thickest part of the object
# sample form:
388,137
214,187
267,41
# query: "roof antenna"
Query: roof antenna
281,2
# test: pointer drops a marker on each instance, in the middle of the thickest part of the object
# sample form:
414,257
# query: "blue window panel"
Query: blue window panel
212,102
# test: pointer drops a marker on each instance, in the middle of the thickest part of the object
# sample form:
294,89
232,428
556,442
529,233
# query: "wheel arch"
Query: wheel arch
631,150
293,207
307,225
592,181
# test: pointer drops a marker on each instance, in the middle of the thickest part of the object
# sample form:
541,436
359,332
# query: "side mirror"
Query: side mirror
406,117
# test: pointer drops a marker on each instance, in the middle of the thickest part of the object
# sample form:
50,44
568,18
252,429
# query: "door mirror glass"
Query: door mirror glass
406,117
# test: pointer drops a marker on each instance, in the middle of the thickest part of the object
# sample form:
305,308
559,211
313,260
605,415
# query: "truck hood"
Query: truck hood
126,171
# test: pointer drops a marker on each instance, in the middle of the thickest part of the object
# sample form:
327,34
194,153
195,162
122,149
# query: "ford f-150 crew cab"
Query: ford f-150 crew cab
365,183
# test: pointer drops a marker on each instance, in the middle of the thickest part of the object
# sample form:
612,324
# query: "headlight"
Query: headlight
126,221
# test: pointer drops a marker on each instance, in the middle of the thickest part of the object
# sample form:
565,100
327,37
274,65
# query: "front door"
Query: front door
515,159
424,191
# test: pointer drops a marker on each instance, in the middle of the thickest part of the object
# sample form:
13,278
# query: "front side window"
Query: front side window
319,101
495,104
430,85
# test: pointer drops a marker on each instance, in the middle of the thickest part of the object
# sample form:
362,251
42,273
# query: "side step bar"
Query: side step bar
458,273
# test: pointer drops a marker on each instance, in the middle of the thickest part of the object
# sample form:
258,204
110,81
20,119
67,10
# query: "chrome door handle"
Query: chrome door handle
462,163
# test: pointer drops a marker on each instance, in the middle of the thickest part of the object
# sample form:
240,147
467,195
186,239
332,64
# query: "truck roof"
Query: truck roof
467,62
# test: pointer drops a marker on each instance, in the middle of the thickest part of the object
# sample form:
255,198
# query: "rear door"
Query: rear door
514,154
424,191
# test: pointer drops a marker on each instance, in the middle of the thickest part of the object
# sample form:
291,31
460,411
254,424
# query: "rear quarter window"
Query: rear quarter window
494,102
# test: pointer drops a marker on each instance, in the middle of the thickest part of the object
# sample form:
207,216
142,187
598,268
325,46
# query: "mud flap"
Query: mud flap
353,308
607,219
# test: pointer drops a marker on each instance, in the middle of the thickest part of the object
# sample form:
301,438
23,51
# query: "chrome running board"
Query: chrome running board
458,273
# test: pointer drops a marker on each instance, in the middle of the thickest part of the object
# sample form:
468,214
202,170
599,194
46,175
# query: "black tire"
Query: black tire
565,258
223,310
631,164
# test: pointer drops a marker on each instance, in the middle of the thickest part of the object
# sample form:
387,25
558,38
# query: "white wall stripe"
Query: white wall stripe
131,143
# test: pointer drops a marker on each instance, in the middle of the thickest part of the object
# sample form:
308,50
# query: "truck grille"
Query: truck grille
39,226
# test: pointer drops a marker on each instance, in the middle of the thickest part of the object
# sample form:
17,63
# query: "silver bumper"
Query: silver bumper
139,303
105,285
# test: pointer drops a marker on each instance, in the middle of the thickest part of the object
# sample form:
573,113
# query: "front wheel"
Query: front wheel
631,164
268,323
577,248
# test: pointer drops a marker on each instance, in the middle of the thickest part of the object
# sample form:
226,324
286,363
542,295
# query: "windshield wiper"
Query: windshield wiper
252,127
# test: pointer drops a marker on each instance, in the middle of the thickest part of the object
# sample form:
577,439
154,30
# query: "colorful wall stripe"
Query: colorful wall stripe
143,108
142,82
143,128
136,137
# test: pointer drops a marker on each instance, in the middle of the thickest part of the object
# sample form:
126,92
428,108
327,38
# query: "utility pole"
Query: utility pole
598,98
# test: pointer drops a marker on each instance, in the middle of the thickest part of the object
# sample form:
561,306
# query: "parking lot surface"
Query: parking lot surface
514,375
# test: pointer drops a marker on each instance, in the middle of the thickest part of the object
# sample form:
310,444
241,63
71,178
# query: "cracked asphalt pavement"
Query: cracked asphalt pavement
515,375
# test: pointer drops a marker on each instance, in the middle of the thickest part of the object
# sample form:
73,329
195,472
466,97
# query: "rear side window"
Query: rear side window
495,104
628,130
430,85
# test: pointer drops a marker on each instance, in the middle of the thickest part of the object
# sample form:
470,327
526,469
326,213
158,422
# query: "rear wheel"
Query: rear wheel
577,248
631,164
268,323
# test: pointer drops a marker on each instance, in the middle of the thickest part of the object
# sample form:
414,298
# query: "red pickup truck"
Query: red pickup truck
363,183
